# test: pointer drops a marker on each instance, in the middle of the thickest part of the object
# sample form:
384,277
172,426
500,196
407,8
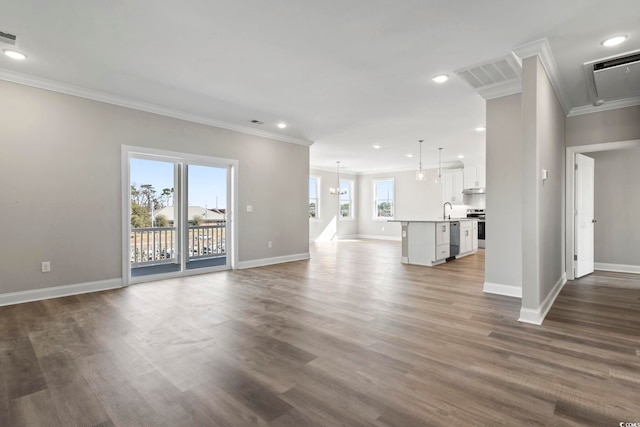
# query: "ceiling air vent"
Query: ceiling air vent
613,78
491,73
8,38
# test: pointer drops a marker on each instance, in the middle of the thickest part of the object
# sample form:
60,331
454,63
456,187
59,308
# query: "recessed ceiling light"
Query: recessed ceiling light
14,54
282,125
461,156
480,129
409,155
440,78
615,40
376,146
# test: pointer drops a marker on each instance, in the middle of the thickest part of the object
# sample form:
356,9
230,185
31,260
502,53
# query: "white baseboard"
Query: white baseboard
58,291
499,289
270,261
373,237
618,268
536,316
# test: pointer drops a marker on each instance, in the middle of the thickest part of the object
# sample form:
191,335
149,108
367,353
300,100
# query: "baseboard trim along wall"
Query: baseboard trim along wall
58,291
270,261
506,290
373,237
617,268
536,316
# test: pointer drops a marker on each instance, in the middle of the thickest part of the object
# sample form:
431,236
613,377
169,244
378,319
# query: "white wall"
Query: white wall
60,167
324,227
622,124
543,201
503,253
414,200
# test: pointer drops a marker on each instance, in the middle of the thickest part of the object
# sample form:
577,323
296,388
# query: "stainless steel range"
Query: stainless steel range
480,214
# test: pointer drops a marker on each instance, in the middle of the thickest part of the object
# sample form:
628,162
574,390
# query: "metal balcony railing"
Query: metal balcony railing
156,245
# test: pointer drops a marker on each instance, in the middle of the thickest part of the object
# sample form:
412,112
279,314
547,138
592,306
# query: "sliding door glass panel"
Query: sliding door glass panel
154,218
206,216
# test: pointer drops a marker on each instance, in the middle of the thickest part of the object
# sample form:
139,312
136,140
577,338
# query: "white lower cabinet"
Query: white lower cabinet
427,243
474,235
468,237
466,240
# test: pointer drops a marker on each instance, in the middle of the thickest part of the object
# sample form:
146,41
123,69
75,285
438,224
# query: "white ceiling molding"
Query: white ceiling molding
609,105
95,95
498,90
542,49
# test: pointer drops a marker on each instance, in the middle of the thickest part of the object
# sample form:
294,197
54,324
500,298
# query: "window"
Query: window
383,203
346,200
314,200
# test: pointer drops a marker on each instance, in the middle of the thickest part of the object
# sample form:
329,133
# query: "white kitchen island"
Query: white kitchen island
430,242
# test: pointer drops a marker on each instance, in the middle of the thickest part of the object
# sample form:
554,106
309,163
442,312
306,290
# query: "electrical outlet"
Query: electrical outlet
46,266
249,208
269,244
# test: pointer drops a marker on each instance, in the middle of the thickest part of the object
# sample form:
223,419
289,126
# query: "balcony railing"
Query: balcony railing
156,245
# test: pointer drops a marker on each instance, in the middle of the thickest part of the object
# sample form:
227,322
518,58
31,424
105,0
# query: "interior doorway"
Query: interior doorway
178,214
571,193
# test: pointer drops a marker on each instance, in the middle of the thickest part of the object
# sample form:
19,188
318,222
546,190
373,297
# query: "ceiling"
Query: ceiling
344,75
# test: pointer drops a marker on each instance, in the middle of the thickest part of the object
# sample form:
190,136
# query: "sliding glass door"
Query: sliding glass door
177,215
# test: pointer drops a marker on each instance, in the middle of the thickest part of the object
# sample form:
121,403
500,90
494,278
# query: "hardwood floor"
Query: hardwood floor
351,337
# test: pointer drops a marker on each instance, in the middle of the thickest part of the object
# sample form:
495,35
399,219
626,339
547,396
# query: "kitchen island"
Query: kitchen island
431,242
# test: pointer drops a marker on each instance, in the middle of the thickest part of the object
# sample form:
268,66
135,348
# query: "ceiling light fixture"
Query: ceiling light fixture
480,129
420,174
440,78
282,125
14,54
409,155
439,177
337,190
377,146
614,41
461,156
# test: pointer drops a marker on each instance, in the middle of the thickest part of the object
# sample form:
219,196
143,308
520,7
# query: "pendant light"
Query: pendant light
338,191
420,174
439,177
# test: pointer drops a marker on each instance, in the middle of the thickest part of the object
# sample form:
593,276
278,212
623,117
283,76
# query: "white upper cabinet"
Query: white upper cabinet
475,176
452,186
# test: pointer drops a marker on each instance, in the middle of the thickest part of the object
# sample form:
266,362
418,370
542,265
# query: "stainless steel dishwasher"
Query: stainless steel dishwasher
454,241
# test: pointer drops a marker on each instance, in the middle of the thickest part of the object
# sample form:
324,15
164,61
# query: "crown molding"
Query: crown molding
542,49
94,95
609,105
498,90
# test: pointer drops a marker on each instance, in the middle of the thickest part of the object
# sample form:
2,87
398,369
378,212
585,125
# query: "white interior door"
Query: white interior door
584,223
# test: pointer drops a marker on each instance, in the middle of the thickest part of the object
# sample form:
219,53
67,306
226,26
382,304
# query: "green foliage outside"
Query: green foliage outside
196,220
162,221
140,218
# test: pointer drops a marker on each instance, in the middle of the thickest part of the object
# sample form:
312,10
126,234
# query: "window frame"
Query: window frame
375,182
317,198
351,186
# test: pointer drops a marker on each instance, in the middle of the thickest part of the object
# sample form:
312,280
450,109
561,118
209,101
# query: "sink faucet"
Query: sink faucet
444,209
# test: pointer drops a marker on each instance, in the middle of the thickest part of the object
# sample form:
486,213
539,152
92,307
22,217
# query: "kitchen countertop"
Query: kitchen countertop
433,220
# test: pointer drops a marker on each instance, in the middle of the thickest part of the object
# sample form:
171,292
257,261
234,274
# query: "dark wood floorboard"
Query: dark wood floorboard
351,337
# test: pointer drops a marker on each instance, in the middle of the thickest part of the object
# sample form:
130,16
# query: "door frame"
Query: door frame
231,232
570,159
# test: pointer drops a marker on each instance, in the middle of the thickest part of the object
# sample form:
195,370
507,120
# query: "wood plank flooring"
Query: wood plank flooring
349,338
